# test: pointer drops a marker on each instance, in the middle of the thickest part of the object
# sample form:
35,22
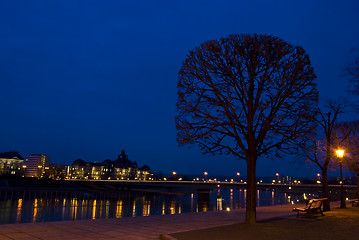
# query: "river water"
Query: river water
35,206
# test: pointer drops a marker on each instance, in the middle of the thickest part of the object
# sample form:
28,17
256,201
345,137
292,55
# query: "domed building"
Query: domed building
119,169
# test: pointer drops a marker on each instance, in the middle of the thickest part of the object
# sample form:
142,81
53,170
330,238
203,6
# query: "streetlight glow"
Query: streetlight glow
340,153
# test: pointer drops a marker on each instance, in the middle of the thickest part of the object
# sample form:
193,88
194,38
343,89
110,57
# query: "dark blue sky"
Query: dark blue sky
83,79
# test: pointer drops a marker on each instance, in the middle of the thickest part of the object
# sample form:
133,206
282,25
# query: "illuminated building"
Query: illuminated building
11,164
57,171
120,169
37,165
144,173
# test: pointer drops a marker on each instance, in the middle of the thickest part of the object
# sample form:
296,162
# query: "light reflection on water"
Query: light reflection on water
119,209
146,208
58,209
94,209
34,210
18,211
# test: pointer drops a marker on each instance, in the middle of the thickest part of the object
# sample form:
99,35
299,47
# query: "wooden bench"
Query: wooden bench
314,206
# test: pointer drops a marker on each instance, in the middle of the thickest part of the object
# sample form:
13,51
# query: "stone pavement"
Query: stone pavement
135,228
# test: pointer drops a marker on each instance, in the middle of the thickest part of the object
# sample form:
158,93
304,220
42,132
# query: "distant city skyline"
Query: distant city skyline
84,79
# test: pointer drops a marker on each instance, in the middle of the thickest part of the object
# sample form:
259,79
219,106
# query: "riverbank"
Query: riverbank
218,224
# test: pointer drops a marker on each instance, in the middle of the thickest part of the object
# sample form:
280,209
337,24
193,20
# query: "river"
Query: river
40,206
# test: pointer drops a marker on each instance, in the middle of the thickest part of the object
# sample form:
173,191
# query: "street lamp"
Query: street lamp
174,175
340,155
205,175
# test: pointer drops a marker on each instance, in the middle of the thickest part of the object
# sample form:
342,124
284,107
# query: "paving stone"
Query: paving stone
8,230
2,237
22,236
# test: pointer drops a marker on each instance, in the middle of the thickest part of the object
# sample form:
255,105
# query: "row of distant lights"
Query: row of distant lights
232,180
205,174
339,152
24,166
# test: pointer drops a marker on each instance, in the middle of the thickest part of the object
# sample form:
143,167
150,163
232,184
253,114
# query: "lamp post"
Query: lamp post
340,155
205,176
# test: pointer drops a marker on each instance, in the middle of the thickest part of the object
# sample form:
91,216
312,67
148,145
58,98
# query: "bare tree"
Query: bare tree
321,152
246,95
350,134
352,70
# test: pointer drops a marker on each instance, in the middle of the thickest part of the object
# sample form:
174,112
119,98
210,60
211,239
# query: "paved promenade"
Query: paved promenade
135,228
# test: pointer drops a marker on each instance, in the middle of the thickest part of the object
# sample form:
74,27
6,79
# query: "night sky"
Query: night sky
85,79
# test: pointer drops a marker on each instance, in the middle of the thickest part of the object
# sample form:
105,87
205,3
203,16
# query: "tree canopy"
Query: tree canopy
348,133
246,95
352,69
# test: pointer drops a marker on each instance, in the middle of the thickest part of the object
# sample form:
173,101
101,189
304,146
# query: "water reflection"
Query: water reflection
71,207
83,211
273,197
107,211
19,210
163,208
94,209
74,209
119,209
219,202
192,202
34,210
146,208
173,207
100,208
63,208
134,209
203,199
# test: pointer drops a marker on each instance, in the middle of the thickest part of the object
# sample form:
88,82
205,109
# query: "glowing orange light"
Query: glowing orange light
340,153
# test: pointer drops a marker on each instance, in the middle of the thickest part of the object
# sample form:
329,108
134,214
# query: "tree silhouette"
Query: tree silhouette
246,95
349,131
352,70
322,148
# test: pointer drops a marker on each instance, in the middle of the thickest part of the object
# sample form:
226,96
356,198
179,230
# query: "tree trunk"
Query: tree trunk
251,191
358,186
326,204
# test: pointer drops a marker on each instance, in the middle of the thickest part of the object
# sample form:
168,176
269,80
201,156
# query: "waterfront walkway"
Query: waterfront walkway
139,227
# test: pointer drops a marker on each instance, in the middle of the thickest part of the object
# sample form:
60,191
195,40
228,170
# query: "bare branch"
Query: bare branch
246,95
